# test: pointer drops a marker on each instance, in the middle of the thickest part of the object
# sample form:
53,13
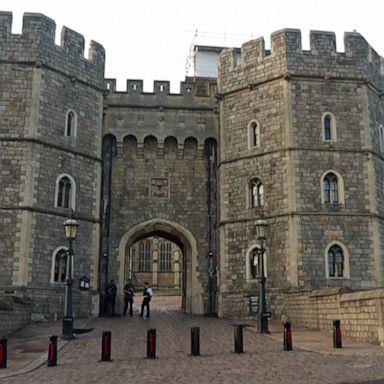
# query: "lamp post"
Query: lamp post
261,226
70,226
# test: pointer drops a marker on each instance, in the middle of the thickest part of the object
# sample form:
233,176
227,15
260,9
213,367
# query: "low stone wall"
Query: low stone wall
361,313
15,313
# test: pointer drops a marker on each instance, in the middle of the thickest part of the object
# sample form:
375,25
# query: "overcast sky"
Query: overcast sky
151,39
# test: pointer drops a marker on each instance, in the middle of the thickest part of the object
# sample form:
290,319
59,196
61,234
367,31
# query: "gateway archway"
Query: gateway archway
192,293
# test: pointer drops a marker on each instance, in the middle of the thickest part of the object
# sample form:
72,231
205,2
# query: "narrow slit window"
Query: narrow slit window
327,128
256,190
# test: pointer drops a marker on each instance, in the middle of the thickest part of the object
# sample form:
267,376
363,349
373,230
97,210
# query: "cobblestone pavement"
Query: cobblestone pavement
263,360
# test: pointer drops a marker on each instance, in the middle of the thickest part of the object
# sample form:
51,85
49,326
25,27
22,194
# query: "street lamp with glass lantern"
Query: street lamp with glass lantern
70,226
261,227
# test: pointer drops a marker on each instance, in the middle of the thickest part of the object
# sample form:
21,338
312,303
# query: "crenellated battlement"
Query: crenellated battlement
286,57
36,43
191,87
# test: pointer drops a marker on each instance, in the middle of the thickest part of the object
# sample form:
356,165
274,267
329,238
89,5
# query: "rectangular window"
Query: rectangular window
165,257
145,257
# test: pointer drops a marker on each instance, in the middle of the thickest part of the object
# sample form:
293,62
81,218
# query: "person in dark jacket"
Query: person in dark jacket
110,298
147,295
128,297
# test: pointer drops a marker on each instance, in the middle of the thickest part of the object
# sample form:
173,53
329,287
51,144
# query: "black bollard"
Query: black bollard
106,346
151,344
238,338
3,353
336,334
52,351
287,336
195,341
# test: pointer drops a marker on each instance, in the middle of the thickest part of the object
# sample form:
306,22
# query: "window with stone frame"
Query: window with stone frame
60,266
256,193
335,262
254,264
64,193
165,257
381,138
328,127
145,256
70,124
330,188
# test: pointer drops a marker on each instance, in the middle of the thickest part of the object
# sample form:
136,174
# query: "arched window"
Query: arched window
252,263
65,194
335,262
329,127
145,256
381,138
330,188
59,265
70,124
256,193
253,134
165,257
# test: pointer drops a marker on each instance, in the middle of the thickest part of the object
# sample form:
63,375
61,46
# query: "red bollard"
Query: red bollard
52,351
151,344
287,336
3,353
336,334
106,346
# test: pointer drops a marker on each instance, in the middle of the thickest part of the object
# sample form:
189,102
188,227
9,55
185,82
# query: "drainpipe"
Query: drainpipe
211,147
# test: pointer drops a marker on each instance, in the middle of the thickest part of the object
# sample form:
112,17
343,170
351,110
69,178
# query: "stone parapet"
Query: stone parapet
36,45
286,58
361,313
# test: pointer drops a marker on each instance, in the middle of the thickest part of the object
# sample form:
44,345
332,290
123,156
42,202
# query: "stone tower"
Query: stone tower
301,142
50,140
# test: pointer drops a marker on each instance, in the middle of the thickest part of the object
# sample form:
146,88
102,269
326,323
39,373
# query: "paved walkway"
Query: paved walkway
313,359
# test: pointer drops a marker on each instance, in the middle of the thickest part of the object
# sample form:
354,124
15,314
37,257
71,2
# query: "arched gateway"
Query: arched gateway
192,291
159,195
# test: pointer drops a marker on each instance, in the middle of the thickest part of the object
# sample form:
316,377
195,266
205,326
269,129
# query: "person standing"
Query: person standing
110,297
128,297
147,295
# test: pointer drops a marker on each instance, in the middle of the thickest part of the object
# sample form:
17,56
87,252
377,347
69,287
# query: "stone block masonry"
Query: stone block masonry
36,45
361,313
302,126
40,83
15,313
287,92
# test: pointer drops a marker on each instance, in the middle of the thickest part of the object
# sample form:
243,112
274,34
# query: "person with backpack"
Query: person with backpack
147,295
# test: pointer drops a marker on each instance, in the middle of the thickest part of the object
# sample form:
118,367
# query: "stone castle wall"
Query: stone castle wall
155,173
287,91
160,170
360,313
40,82
15,313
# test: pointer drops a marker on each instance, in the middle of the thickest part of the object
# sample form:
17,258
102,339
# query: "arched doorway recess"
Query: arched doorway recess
191,288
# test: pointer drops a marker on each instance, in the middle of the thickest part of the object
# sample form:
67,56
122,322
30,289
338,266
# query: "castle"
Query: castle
291,135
